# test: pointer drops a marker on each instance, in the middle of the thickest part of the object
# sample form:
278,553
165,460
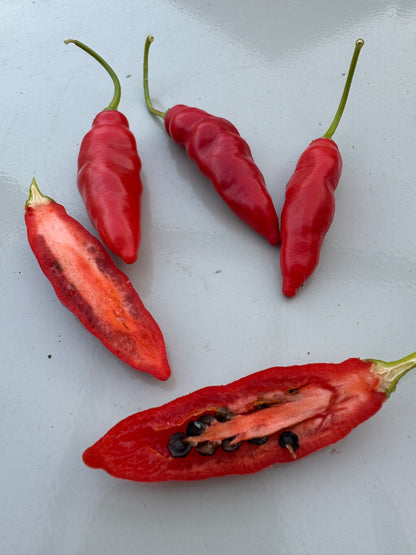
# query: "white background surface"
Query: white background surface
275,69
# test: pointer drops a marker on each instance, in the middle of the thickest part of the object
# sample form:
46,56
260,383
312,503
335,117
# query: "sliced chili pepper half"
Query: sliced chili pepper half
88,283
276,415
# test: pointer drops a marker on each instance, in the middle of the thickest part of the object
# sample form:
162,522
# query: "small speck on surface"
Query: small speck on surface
49,356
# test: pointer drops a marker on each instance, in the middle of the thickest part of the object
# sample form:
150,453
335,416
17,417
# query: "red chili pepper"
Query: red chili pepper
224,157
277,415
109,175
89,284
309,205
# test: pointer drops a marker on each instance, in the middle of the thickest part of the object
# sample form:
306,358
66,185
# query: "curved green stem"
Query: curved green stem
149,104
332,128
392,372
117,89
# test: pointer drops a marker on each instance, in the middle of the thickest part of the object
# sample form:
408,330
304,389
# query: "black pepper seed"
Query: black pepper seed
207,448
177,447
226,444
195,428
289,439
259,440
206,419
223,414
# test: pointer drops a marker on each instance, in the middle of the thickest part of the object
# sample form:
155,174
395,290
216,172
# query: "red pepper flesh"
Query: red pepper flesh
308,212
273,416
109,175
309,204
88,283
224,157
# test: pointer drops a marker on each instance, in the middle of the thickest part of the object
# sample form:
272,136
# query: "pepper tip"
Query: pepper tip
91,458
290,288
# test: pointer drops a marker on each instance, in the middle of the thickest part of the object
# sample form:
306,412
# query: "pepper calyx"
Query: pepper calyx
36,198
390,373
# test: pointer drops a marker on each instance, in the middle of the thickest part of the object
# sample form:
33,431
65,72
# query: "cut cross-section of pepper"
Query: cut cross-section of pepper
276,415
89,284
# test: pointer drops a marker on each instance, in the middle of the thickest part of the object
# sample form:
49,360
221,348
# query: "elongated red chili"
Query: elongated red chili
309,205
109,175
89,284
224,157
276,415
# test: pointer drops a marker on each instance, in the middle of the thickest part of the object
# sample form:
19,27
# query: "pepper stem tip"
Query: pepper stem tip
35,196
359,43
392,372
149,105
117,88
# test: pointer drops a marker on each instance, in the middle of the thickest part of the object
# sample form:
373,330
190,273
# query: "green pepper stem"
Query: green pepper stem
392,372
332,128
117,88
35,196
149,104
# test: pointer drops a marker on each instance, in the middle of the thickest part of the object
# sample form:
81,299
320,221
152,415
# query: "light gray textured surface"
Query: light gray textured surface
276,70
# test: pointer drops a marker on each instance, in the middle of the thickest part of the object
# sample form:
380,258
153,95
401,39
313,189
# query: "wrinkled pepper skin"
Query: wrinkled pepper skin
110,184
308,212
225,158
88,283
316,404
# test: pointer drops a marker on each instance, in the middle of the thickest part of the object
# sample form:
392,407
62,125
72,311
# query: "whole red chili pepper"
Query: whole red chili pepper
89,284
309,205
277,415
224,157
109,175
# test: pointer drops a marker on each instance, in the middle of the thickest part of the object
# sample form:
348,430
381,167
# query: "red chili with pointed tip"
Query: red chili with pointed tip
309,205
109,175
277,415
88,283
224,157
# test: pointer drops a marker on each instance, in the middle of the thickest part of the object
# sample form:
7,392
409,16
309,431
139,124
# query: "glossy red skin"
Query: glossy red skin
110,185
225,158
308,212
88,283
136,448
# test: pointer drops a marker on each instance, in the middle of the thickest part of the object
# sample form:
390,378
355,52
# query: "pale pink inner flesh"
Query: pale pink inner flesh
97,288
309,402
